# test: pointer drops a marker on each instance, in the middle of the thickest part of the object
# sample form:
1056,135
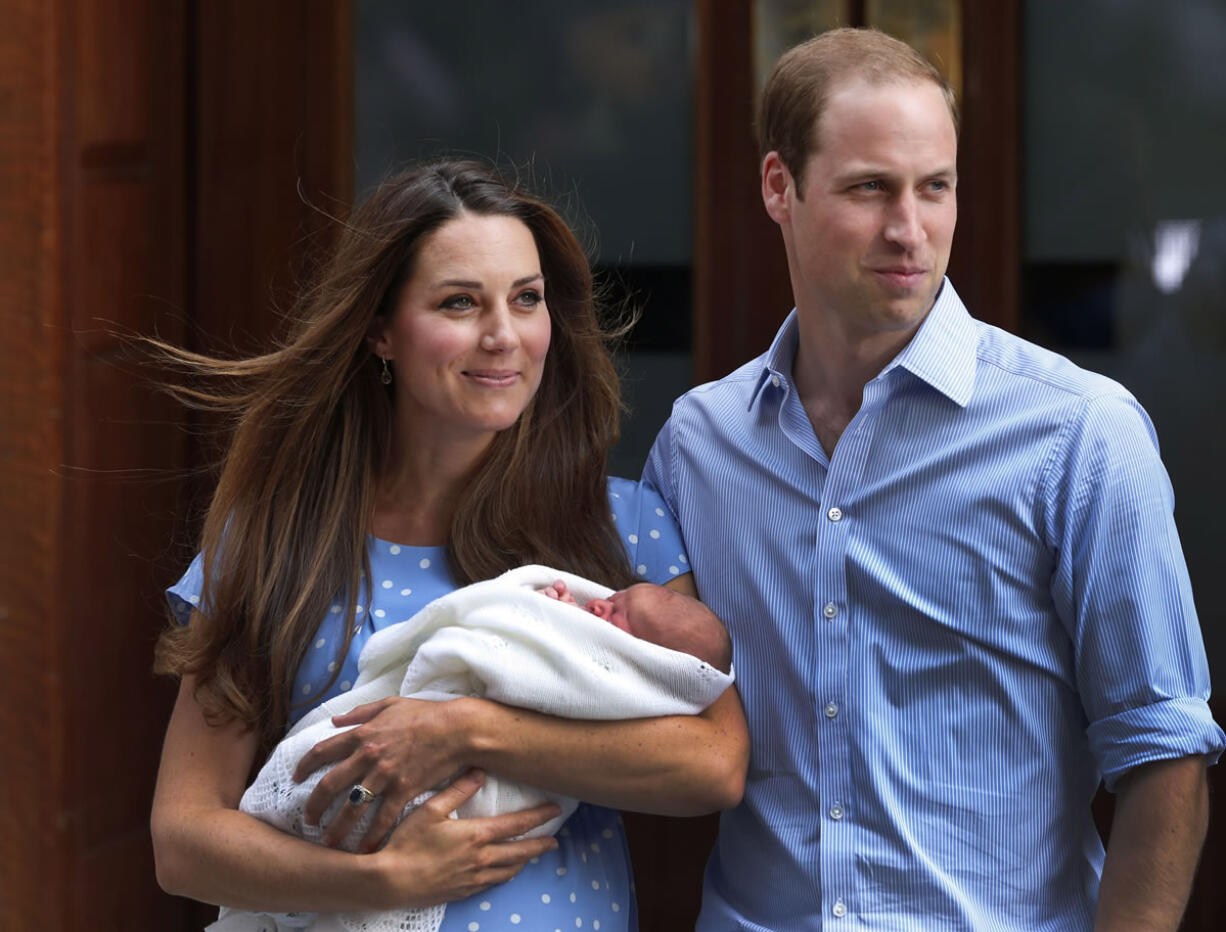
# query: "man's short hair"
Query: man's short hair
807,74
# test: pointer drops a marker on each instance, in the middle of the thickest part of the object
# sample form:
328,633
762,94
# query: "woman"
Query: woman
441,414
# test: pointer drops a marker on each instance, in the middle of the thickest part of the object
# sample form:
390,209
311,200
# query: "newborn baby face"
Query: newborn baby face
631,607
614,610
662,616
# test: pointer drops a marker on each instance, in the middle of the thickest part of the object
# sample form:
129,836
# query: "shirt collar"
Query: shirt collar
944,349
777,365
942,352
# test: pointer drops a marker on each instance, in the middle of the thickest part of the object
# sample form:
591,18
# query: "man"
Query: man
947,561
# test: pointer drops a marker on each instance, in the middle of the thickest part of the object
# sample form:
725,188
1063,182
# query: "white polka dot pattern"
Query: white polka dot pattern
585,883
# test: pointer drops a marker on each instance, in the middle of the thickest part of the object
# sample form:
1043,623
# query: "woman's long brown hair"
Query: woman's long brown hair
286,531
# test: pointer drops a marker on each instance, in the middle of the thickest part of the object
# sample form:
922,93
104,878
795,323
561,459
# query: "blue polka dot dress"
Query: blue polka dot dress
586,883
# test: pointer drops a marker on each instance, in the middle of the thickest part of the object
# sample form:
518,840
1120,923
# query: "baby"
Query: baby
522,640
662,616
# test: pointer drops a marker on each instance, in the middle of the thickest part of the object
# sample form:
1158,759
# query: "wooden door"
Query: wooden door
150,177
92,247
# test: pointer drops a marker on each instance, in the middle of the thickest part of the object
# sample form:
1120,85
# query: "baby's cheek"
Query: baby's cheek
617,621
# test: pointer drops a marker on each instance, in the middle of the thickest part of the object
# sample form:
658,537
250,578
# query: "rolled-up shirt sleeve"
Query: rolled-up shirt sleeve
1121,587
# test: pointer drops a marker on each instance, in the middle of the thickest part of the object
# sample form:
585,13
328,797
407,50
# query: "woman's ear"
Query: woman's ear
376,337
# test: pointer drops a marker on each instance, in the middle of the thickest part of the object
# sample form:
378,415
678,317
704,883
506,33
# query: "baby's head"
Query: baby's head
668,618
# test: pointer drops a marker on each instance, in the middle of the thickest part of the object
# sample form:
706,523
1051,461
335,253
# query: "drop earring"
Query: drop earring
386,376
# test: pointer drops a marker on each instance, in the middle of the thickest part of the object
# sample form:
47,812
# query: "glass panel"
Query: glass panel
573,90
932,27
1125,239
594,100
780,24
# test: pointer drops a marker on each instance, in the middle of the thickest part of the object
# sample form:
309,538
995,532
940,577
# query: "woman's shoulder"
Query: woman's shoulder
184,596
648,530
631,496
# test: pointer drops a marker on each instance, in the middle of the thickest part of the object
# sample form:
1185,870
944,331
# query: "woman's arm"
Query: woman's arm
672,765
208,850
679,765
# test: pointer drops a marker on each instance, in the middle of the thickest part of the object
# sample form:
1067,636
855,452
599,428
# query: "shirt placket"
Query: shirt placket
833,617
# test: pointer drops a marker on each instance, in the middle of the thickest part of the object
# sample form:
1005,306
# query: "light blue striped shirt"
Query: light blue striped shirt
944,635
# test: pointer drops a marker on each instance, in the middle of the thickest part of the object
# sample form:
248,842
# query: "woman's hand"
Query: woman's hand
208,850
432,858
399,749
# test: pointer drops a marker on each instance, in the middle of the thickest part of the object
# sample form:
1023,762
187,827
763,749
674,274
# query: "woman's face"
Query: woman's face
469,333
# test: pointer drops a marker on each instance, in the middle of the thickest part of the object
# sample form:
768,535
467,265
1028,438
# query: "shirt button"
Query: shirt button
775,381
831,610
831,710
835,514
839,909
836,811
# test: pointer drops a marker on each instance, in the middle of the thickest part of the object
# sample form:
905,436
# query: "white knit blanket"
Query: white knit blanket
502,640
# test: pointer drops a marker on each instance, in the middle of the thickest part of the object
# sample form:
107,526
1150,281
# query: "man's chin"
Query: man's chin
904,313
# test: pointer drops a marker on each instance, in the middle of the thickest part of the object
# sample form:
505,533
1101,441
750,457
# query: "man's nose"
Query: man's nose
904,225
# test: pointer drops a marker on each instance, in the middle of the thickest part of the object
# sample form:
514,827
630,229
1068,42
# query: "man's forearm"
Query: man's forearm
1161,816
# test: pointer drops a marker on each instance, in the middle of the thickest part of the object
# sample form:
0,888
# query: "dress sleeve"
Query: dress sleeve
1122,590
648,530
184,595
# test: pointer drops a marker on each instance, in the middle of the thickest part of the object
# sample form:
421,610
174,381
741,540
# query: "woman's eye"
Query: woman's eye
529,298
459,302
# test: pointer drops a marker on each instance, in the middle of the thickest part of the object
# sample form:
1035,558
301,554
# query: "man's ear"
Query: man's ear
778,188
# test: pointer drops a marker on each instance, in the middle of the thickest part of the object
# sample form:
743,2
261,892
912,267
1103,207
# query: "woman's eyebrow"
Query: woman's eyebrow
476,286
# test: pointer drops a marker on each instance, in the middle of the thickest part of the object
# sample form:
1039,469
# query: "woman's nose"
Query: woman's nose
499,334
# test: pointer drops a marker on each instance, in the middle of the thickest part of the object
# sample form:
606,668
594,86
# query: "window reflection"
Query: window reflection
1176,243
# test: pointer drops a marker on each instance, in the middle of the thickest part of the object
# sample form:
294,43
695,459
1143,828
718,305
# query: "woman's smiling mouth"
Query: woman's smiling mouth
492,378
